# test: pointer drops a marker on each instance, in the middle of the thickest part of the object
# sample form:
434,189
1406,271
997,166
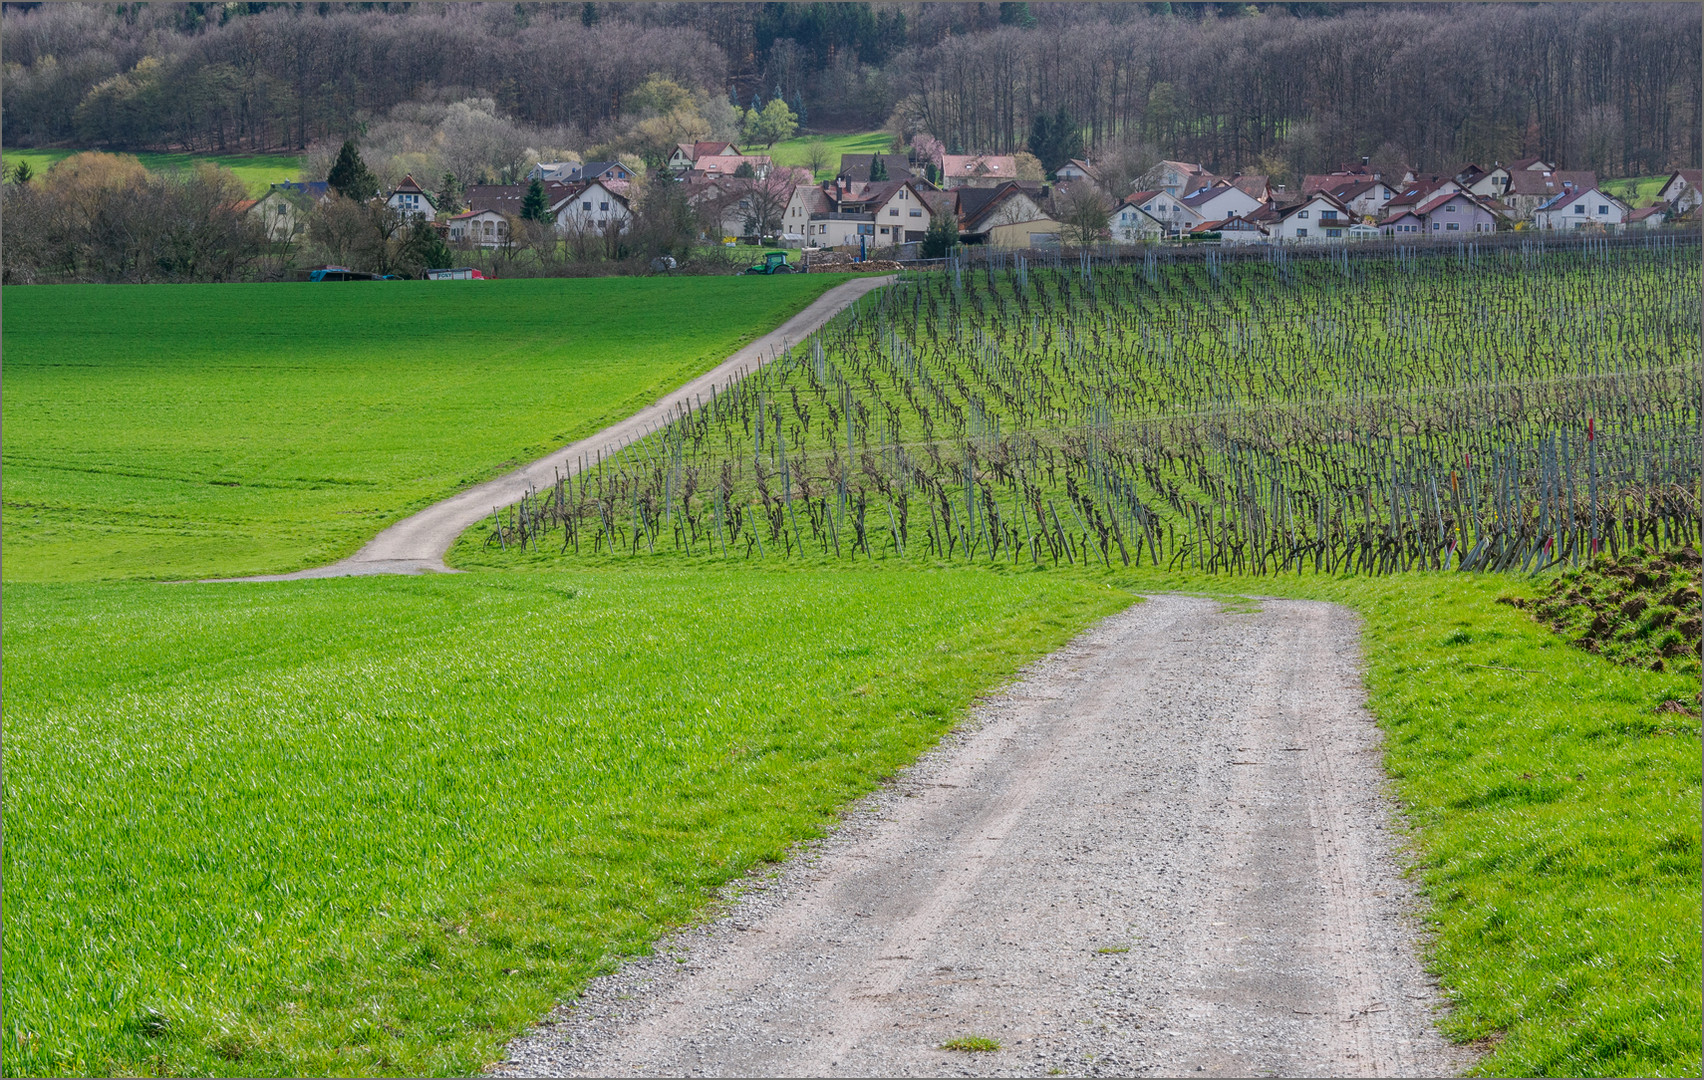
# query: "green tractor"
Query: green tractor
774,262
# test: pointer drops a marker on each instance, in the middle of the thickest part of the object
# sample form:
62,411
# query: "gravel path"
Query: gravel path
417,544
1166,850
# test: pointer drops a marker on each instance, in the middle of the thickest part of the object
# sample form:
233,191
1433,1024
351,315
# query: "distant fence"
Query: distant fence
1063,257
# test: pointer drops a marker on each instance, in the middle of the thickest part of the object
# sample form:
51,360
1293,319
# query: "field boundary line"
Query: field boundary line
417,544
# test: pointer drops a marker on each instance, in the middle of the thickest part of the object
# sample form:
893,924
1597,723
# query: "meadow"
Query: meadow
173,431
363,826
795,151
258,171
368,826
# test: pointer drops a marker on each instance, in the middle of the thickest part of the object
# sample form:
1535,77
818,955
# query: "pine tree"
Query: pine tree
534,206
878,169
799,107
589,14
942,237
349,176
449,194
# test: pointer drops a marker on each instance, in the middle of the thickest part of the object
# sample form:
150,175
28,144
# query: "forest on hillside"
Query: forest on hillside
1265,87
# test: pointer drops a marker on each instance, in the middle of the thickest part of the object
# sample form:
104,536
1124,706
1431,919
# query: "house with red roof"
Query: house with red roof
977,170
686,155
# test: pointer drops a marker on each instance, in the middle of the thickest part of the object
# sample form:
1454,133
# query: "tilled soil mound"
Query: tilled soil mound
1639,608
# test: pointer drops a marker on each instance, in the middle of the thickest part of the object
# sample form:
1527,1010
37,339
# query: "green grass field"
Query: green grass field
363,826
258,171
381,825
178,431
794,151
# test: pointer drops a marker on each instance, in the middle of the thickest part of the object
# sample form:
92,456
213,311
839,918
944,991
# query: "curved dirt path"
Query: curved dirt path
1166,850
417,543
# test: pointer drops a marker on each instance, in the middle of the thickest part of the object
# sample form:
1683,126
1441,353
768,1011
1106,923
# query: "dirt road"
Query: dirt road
1165,850
417,544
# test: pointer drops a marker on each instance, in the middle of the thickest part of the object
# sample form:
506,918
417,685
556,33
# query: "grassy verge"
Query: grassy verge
1556,824
258,171
177,431
379,826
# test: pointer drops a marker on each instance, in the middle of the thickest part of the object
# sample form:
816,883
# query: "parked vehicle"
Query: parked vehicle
774,262
456,273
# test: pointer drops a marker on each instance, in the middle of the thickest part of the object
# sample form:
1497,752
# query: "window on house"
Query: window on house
893,211
1579,209
866,230
1302,215
1334,232
586,205
1603,208
916,213
1451,208
1301,233
1328,215
603,206
1453,227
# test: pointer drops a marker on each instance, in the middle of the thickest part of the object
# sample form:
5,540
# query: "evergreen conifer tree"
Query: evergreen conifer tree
534,206
878,169
349,176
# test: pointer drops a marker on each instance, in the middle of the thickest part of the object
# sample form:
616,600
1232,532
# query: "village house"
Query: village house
1234,231
1368,198
1319,217
977,170
284,209
1167,209
1002,217
1076,169
1683,190
1454,211
686,155
411,199
855,169
596,206
1130,224
1255,186
1648,217
554,171
482,228
1530,188
1175,178
806,200
1220,202
714,165
1579,208
506,199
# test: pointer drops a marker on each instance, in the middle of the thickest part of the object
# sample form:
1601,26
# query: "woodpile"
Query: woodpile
839,262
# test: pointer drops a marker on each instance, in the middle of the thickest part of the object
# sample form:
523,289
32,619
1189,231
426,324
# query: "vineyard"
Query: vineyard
1510,409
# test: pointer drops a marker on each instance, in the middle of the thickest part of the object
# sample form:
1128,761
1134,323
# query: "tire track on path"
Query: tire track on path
1166,849
417,544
